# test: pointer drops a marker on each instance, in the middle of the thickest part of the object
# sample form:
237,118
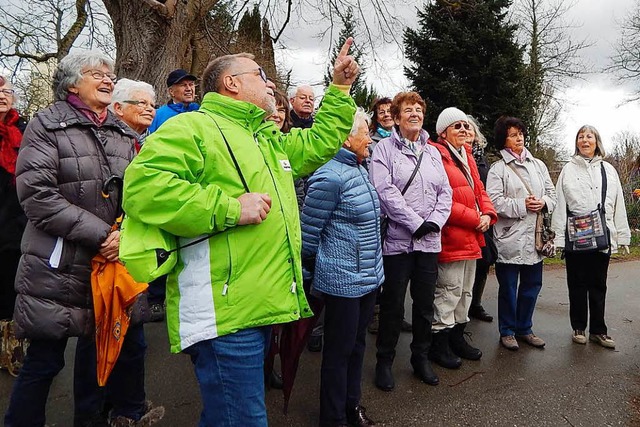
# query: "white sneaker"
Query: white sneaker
603,340
579,337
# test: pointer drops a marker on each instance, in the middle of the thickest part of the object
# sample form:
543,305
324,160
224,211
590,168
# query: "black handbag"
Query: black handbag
384,220
589,232
489,250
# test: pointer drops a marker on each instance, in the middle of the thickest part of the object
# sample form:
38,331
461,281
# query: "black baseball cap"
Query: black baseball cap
178,75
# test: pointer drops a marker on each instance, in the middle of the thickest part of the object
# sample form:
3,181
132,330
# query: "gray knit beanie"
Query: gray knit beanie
448,117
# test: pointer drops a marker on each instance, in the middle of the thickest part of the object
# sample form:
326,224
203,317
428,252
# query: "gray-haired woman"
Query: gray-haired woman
69,151
580,189
134,102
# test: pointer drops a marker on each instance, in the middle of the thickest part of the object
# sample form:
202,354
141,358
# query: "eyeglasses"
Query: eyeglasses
515,134
260,72
460,125
305,97
8,92
141,103
99,75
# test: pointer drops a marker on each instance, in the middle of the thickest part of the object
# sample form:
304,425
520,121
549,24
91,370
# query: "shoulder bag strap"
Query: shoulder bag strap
413,175
604,187
513,168
244,184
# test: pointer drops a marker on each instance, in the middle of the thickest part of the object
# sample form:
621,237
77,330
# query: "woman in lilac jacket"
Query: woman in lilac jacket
410,251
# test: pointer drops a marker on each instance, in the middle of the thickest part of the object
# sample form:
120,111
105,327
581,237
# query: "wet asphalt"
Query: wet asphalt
564,384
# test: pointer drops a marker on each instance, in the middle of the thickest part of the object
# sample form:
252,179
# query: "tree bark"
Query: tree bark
152,38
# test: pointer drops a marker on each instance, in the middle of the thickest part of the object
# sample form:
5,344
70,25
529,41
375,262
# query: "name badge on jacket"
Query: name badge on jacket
286,165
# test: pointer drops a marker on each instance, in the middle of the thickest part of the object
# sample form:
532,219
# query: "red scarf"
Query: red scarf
10,138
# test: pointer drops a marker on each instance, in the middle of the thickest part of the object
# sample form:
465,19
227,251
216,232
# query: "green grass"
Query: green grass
634,254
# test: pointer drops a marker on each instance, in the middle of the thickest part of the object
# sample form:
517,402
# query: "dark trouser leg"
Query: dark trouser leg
397,270
88,397
125,388
354,375
8,267
578,271
423,283
528,291
157,290
45,358
598,293
482,270
341,322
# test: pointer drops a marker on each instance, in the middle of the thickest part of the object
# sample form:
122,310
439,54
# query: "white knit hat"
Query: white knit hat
448,117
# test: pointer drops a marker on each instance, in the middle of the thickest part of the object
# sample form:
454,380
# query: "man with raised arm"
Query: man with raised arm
225,170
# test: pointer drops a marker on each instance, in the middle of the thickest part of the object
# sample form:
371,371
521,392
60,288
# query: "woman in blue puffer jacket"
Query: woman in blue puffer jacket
341,245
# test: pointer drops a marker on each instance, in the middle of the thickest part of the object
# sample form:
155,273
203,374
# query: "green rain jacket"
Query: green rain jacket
184,181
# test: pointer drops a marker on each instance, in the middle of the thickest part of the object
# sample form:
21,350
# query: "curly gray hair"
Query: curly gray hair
69,71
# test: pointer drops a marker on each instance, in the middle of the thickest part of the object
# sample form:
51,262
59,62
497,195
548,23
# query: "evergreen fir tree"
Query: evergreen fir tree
464,54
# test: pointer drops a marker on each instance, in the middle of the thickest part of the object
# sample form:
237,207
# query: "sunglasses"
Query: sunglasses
461,125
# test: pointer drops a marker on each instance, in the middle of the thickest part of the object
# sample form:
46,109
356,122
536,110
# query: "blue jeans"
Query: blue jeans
516,303
45,358
230,373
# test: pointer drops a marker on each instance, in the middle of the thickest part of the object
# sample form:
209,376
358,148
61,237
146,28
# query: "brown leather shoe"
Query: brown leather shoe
357,417
509,342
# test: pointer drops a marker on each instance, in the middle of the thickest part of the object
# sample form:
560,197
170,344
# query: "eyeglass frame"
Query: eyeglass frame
460,125
111,76
141,104
260,71
8,92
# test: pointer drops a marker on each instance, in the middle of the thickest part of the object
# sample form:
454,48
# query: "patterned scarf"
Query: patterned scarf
10,138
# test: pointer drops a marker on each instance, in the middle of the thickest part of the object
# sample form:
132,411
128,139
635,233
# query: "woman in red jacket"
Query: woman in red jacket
462,237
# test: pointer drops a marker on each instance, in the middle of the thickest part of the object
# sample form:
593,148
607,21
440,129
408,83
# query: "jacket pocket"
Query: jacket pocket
358,257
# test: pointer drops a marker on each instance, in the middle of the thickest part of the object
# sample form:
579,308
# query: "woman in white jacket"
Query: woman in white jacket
579,191
519,187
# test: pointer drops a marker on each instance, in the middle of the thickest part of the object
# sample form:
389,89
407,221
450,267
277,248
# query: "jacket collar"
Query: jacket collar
243,113
584,163
397,139
508,157
347,157
181,108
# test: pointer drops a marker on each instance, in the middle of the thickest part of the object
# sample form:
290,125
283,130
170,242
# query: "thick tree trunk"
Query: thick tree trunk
154,38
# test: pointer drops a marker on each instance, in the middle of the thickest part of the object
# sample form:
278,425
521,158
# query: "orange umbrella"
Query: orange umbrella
114,291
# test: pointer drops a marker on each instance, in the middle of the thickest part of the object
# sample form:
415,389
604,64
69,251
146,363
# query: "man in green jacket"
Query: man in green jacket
225,170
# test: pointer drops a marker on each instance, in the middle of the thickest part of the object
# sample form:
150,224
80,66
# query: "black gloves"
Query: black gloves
425,228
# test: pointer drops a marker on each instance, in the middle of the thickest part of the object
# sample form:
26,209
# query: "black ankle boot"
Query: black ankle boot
459,344
440,352
478,312
357,417
423,370
384,377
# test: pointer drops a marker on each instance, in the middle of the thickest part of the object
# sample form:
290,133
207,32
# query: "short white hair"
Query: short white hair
294,91
124,89
359,117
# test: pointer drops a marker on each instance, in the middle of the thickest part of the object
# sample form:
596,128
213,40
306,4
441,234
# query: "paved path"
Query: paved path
562,385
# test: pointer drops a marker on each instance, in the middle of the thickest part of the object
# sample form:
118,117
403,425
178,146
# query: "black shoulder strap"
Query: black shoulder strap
244,184
233,157
413,175
604,187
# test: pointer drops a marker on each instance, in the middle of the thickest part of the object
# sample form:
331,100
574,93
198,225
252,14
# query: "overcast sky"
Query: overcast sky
595,100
